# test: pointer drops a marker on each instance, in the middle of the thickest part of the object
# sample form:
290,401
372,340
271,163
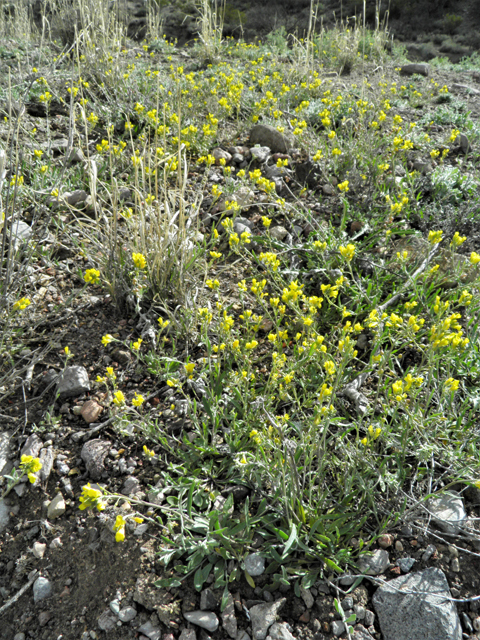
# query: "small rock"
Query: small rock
127,614
279,631
141,529
398,546
107,621
130,486
229,621
19,636
154,633
91,411
93,454
32,446
422,69
220,154
75,156
205,619
77,197
375,564
42,589
369,618
337,627
268,136
467,623
464,143
347,603
5,464
476,623
359,611
44,617
20,489
56,543
278,233
428,553
405,565
307,597
328,189
254,564
260,154
208,600
114,607
385,540
455,565
73,382
263,616
57,507
39,549
46,458
448,511
188,634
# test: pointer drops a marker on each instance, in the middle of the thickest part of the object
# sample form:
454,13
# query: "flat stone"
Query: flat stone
229,621
254,564
127,614
22,232
204,619
422,69
307,597
5,463
417,607
42,589
360,633
263,616
220,154
57,507
268,136
375,564
448,511
279,631
107,621
93,454
405,564
77,197
73,382
154,633
4,515
32,446
91,411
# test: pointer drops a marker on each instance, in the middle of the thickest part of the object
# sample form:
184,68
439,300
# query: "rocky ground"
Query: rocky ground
63,576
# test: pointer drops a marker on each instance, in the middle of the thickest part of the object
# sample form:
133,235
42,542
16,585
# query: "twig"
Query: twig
20,593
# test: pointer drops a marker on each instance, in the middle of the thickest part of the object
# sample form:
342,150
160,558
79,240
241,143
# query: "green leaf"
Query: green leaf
331,565
168,583
296,588
249,579
224,601
292,538
281,534
309,579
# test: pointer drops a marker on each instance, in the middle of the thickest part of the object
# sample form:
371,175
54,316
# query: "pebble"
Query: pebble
154,633
42,589
375,564
39,549
188,634
107,622
428,553
369,618
405,565
56,543
467,623
359,611
229,621
73,382
398,546
44,617
205,619
476,623
307,597
131,485
337,627
57,507
19,636
278,233
455,565
279,631
254,564
385,540
114,607
127,614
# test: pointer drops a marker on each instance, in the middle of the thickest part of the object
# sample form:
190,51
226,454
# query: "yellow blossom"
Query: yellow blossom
118,398
106,339
92,276
138,400
139,260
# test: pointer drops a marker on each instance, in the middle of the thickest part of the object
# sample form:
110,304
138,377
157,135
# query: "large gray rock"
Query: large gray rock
73,382
448,511
416,607
263,616
265,135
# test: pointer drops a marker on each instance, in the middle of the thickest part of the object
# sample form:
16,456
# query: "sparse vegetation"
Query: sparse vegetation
296,317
